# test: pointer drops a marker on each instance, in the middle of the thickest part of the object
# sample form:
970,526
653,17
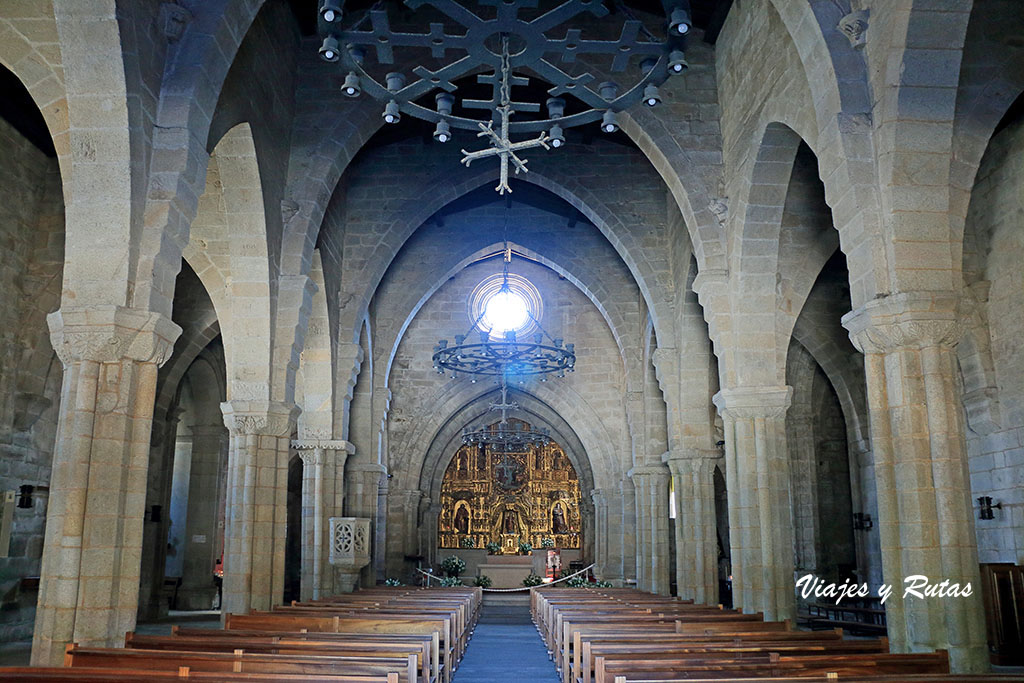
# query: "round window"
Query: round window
515,309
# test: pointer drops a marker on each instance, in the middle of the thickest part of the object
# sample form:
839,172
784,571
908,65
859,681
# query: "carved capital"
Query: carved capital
652,473
268,418
110,334
854,26
905,321
751,403
336,445
174,19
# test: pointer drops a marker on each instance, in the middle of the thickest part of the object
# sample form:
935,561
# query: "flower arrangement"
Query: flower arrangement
525,548
547,542
483,581
393,582
468,542
532,580
493,548
450,581
453,566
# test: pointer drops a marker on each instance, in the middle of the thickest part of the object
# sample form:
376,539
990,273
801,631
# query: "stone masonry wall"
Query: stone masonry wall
996,219
31,258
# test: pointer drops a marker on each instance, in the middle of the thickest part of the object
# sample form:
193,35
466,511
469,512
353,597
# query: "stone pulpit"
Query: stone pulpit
350,549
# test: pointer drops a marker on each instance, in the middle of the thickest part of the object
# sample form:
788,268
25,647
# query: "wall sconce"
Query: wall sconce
862,522
25,495
985,503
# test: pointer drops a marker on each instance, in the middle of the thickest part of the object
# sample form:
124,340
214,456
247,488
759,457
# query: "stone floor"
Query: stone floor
506,647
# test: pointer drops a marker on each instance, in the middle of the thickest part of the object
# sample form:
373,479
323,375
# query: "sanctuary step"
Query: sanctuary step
505,614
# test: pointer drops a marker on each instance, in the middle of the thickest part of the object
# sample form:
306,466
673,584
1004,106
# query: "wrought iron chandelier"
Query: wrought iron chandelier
506,438
504,42
508,356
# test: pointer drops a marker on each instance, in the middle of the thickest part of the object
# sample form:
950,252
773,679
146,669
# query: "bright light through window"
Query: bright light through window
505,311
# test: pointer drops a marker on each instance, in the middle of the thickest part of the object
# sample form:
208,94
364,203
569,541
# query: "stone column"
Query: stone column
925,515
804,483
209,458
696,542
624,531
89,585
600,499
323,494
257,504
362,486
760,513
651,483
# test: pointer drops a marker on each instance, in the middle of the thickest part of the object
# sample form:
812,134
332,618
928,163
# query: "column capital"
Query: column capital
109,334
652,470
269,418
323,444
753,402
907,320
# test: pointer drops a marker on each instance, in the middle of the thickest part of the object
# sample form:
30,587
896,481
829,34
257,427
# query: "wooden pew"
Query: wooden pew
228,642
606,670
371,623
621,648
241,662
94,675
902,678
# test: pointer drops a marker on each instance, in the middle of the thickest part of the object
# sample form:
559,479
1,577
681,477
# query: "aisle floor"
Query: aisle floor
506,652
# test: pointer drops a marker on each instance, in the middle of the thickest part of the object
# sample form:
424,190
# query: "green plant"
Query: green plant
450,581
525,548
393,582
483,581
582,582
532,580
453,565
493,548
547,543
468,542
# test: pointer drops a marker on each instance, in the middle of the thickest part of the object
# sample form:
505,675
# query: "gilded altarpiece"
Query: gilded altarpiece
490,496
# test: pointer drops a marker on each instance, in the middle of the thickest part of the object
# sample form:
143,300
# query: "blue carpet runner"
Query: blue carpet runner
505,652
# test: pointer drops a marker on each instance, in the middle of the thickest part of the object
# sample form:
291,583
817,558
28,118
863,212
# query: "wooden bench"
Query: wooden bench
228,642
242,662
772,665
370,623
93,675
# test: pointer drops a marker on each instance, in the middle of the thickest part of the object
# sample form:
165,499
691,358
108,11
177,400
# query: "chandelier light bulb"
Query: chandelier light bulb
391,113
677,62
330,11
443,132
651,96
351,87
609,122
556,136
329,49
679,22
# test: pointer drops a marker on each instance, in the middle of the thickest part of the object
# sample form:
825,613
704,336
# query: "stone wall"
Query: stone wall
31,241
993,253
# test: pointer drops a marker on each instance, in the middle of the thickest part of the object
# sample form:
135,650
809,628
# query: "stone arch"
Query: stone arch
193,77
566,402
415,211
228,250
433,280
317,393
36,62
837,75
